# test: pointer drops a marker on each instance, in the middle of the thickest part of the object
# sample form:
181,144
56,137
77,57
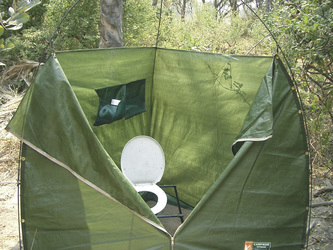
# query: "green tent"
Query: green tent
232,132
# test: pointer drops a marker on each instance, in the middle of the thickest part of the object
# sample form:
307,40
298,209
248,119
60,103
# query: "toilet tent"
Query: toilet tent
232,132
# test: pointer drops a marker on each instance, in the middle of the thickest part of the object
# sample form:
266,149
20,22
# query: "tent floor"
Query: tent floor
171,224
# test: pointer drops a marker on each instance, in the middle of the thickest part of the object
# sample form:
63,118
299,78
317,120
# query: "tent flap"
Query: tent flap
262,195
258,124
51,122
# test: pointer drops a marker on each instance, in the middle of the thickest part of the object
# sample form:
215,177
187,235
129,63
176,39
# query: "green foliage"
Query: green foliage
306,31
37,15
79,29
30,44
139,23
17,15
14,20
201,30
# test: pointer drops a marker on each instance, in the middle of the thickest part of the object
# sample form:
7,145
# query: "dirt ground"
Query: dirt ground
9,155
321,223
320,229
9,234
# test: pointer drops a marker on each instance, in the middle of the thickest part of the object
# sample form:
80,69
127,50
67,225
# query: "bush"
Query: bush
11,21
306,37
202,29
140,22
79,29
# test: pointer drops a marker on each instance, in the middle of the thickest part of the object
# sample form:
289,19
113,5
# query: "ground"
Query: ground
320,226
321,223
9,155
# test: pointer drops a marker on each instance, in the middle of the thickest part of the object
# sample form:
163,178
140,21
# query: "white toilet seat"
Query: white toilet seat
162,198
143,163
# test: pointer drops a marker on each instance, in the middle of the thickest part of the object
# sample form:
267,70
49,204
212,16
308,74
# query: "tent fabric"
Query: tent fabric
232,133
259,201
62,212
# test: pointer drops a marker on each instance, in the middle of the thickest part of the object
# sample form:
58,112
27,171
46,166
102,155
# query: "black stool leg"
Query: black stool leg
180,215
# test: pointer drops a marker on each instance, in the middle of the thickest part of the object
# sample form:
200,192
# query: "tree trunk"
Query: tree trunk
259,4
183,9
233,5
111,16
269,6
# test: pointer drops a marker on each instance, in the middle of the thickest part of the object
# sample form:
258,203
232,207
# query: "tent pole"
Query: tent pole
19,167
159,24
56,29
274,38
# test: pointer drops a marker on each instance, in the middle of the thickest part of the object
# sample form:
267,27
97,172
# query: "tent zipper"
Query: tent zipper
172,242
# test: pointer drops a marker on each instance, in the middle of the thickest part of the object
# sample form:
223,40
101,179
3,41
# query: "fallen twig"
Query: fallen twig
319,204
9,182
323,190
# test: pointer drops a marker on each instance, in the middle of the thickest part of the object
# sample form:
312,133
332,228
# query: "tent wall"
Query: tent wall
95,69
262,195
198,106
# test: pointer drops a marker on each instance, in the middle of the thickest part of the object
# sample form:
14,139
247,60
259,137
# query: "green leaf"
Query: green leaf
305,88
11,11
18,19
15,27
10,45
26,5
306,19
6,47
2,30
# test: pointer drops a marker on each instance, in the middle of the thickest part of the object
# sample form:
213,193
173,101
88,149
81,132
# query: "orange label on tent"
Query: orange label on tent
250,245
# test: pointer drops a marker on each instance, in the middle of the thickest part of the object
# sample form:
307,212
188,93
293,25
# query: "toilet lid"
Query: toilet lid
142,160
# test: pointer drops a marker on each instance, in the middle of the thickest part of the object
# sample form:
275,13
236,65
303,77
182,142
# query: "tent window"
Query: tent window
117,102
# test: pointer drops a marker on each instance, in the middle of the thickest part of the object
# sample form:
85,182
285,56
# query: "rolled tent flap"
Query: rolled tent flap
258,124
57,137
